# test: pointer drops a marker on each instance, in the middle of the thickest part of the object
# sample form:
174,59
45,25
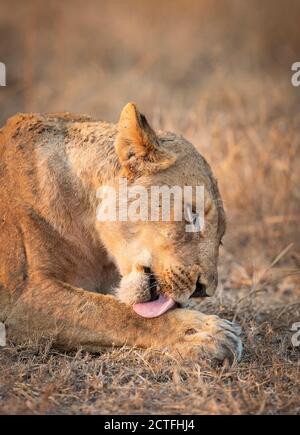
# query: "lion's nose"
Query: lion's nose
200,291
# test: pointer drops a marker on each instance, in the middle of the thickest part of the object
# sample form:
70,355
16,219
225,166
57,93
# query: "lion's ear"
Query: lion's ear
137,144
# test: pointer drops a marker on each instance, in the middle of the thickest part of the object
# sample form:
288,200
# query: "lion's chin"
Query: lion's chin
155,308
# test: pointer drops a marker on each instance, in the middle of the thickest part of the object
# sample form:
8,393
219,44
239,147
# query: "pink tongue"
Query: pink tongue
154,308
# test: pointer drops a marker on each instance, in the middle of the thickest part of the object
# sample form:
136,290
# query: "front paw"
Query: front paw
208,335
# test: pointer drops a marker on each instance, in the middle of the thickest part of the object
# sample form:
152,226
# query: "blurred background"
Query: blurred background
216,71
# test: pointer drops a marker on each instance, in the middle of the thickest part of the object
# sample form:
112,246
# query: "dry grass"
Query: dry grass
38,379
218,73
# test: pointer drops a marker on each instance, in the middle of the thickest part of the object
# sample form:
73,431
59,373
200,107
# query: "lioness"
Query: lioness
85,283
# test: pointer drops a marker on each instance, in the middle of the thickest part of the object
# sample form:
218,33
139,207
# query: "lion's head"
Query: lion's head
160,261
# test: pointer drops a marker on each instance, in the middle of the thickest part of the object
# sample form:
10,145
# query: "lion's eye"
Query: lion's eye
190,215
194,219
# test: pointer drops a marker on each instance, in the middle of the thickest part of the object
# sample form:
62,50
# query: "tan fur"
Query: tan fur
60,267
